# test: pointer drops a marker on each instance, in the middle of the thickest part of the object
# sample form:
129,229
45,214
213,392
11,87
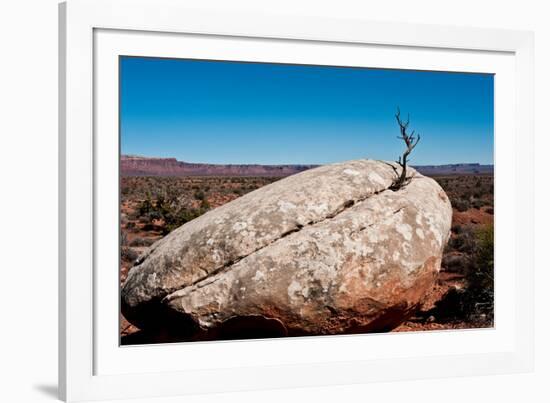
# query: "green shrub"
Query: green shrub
461,204
177,218
464,241
145,206
478,204
456,229
479,298
474,302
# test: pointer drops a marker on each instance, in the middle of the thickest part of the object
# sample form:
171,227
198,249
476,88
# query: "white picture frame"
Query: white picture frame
94,32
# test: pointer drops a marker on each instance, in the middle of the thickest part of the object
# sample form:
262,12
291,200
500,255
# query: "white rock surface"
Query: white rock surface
330,250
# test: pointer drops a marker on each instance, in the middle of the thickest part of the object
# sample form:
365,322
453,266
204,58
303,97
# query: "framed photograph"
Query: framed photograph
257,201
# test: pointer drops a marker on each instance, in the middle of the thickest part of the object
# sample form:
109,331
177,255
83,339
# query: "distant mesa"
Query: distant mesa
133,165
455,169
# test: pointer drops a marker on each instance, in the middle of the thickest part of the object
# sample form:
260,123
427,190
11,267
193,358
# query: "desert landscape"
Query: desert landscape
159,195
264,200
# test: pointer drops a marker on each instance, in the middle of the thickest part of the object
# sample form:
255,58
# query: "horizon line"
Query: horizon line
289,163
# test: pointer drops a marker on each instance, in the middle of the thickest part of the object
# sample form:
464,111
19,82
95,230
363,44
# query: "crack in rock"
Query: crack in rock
345,206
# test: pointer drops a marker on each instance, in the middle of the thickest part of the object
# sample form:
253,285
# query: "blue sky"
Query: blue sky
233,112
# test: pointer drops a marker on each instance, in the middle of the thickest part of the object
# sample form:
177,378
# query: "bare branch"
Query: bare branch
410,142
416,142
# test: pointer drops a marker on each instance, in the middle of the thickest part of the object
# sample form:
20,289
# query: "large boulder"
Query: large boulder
326,251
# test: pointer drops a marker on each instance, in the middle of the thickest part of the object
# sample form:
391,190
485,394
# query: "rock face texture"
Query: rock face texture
326,251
